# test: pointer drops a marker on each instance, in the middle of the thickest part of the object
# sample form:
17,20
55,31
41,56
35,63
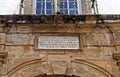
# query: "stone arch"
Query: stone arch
25,64
108,74
40,62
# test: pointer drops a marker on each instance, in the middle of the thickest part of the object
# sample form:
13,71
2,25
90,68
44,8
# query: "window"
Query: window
63,6
73,7
69,7
50,7
45,6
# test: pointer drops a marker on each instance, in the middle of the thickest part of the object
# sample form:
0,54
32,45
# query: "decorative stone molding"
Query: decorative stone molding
3,56
116,56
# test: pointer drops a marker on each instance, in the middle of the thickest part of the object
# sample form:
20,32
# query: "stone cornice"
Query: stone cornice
46,19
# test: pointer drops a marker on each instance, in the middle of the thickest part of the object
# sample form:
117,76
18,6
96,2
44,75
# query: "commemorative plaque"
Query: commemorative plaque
58,42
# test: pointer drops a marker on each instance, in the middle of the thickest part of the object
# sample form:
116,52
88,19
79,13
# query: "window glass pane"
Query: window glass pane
72,12
37,11
73,7
73,4
73,0
40,5
63,6
50,6
63,0
64,11
40,12
49,11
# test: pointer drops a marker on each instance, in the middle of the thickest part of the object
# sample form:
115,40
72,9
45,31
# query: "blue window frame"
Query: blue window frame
40,5
49,7
45,7
73,7
63,7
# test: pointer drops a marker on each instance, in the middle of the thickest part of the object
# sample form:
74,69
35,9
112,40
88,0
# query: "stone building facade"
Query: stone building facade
36,46
59,45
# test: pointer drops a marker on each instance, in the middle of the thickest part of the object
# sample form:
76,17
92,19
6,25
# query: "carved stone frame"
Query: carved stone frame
58,34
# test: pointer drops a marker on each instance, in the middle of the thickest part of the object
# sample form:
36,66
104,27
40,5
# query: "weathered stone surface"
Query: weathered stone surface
117,38
116,29
64,58
2,47
94,58
24,29
98,39
2,38
19,39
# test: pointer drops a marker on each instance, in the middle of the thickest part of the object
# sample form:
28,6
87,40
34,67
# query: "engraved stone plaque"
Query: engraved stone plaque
58,42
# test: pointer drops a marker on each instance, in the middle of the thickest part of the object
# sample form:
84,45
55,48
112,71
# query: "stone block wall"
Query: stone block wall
93,59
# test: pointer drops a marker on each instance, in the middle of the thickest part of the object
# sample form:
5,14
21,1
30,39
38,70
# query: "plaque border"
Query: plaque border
58,34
